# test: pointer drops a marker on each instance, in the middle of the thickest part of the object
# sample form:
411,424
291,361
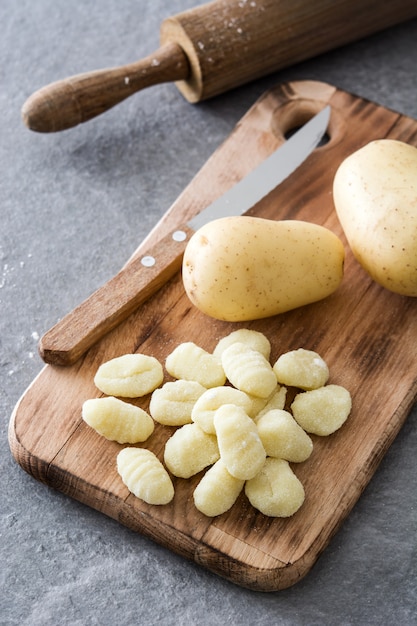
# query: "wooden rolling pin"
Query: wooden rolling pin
215,47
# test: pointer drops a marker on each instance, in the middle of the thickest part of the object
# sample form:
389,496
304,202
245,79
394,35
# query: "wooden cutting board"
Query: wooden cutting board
366,334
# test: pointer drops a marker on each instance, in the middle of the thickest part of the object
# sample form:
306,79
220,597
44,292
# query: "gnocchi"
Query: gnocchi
322,411
252,338
248,370
282,437
275,491
173,403
117,420
217,491
191,362
275,401
240,446
301,368
212,399
145,476
190,450
129,375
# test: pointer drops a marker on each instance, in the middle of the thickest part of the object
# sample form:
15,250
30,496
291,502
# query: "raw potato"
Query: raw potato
145,476
276,490
375,196
129,376
190,450
301,368
172,403
211,400
252,338
217,491
191,362
245,268
283,438
248,370
240,446
322,411
117,420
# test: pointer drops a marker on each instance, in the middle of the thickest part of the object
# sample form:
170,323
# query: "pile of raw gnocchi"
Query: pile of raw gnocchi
228,407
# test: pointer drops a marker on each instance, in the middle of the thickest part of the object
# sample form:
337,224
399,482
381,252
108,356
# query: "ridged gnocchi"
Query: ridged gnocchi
117,420
129,376
190,450
217,491
301,368
190,362
145,476
275,401
173,403
251,338
240,446
282,437
212,399
248,370
322,411
275,491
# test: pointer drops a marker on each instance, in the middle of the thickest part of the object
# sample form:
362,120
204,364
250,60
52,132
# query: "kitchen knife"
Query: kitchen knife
107,307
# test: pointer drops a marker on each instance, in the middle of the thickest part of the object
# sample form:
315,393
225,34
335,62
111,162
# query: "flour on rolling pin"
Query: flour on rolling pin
215,47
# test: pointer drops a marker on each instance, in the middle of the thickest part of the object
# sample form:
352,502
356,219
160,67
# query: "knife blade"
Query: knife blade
112,303
268,174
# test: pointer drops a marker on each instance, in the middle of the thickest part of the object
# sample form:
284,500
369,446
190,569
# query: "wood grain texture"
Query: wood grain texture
229,42
77,99
366,334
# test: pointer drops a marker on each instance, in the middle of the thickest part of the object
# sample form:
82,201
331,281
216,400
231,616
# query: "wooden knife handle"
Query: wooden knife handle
69,102
107,307
216,47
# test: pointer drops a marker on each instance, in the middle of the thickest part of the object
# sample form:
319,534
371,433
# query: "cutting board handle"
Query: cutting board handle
216,47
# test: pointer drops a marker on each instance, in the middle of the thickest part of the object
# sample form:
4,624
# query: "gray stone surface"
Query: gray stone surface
74,206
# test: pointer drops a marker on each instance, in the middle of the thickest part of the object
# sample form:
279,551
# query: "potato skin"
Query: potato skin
375,196
245,268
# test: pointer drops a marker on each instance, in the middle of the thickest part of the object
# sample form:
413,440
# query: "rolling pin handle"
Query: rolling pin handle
69,102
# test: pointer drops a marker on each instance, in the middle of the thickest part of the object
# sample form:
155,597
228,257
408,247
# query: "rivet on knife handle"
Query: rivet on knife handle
107,307
69,102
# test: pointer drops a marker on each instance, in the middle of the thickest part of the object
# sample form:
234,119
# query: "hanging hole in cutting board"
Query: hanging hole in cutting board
323,141
287,119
